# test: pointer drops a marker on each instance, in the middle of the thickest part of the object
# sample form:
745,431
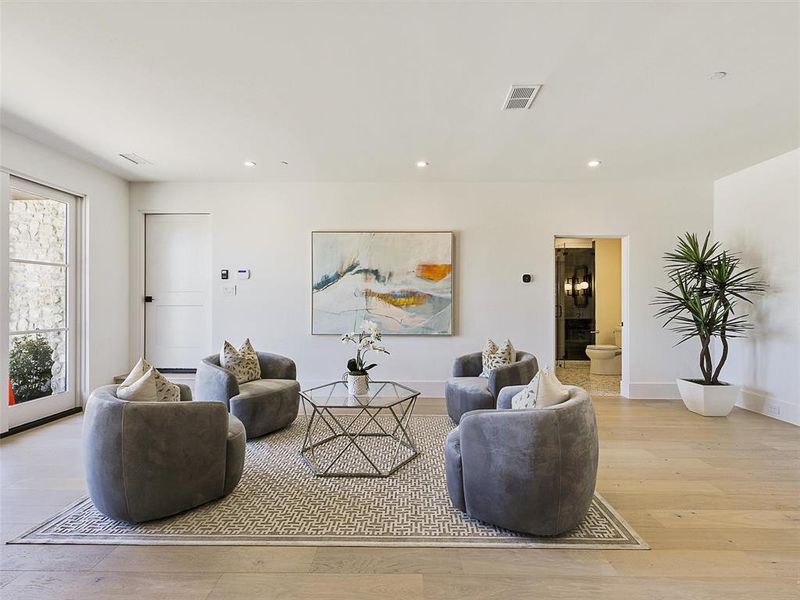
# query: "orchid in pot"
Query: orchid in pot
366,340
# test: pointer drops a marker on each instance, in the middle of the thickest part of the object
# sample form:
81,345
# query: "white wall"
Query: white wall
502,231
757,213
108,246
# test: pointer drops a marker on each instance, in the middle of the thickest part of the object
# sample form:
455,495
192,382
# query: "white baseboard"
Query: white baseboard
427,389
769,407
651,391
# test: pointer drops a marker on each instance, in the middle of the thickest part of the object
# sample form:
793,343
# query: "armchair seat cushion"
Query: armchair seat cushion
266,405
470,385
265,387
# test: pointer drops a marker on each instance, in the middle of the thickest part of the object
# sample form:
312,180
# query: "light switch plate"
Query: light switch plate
228,290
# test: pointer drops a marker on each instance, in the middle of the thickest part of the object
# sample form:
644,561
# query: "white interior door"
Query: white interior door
177,290
42,306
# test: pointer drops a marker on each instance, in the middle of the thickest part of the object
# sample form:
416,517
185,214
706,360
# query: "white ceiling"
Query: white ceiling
360,92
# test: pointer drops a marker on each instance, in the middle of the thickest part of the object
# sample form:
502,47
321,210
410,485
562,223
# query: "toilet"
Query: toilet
605,359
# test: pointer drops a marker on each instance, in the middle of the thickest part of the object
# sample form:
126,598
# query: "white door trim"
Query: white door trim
624,385
137,308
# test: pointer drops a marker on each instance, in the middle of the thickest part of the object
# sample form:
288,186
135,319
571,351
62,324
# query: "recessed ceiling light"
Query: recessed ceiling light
593,164
249,163
422,163
718,75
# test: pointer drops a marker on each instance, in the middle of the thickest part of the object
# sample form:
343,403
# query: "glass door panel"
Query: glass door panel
42,312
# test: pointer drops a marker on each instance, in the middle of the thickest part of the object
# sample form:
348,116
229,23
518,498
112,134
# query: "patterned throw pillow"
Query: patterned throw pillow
494,357
544,390
243,363
145,384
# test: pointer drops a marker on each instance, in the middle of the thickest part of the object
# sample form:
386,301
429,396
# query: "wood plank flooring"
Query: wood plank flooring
718,500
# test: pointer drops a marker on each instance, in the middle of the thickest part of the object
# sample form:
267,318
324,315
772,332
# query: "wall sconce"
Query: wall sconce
579,286
569,286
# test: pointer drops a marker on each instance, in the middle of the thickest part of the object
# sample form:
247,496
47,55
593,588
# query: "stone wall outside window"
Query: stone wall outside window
38,293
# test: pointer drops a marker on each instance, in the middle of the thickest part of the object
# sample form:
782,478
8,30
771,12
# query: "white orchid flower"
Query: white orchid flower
370,327
377,347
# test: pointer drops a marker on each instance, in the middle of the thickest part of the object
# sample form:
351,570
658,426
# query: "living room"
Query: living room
283,315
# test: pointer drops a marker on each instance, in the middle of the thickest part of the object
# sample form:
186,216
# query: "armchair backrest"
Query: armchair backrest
517,373
212,382
469,365
143,457
275,366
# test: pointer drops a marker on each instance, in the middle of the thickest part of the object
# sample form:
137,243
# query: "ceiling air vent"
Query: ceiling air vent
521,96
135,158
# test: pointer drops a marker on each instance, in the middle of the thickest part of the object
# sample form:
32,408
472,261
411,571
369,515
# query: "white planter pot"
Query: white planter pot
708,400
357,384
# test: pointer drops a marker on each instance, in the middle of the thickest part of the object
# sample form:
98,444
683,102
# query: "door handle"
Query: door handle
148,298
594,331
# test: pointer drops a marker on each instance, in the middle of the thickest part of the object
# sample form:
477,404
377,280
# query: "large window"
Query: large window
41,303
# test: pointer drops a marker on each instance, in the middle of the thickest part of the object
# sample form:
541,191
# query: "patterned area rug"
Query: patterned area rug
279,502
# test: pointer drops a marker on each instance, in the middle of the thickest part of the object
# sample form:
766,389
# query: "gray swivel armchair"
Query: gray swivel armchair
531,470
264,405
149,460
466,390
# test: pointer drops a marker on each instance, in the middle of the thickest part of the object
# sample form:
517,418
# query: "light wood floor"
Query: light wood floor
717,499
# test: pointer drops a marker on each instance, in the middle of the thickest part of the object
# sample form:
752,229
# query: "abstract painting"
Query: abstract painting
401,280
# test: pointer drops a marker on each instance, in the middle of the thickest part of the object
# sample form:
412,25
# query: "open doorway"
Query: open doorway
588,315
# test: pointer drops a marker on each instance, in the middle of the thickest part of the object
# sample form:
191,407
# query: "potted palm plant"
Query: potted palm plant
707,286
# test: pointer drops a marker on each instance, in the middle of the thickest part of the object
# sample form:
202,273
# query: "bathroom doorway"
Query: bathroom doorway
588,313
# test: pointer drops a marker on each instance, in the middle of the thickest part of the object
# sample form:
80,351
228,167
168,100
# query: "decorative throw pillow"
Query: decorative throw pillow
145,384
243,363
494,357
544,390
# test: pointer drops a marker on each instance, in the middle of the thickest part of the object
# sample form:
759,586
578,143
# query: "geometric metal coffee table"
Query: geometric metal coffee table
366,435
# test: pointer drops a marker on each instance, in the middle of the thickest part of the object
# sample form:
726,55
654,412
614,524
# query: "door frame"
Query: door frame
624,385
138,258
81,289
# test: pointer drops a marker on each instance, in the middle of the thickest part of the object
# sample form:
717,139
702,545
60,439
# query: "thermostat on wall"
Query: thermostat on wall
243,273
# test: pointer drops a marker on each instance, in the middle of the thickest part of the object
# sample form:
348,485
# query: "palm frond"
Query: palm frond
706,285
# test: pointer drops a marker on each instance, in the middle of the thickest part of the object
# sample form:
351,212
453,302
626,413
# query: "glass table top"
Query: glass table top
381,394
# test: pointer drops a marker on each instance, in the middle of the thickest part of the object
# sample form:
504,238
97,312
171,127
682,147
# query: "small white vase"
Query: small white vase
708,400
357,384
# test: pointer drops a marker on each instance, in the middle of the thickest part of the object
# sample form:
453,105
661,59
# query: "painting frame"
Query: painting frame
451,249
